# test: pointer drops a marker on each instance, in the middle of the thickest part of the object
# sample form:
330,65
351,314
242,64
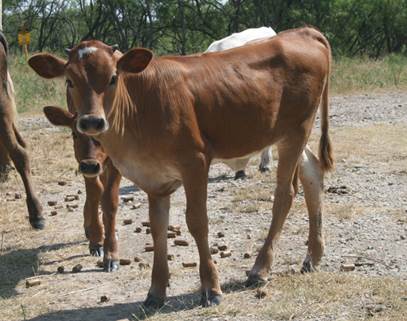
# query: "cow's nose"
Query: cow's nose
90,167
92,125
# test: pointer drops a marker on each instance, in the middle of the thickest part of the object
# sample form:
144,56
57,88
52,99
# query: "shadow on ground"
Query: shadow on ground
20,264
134,311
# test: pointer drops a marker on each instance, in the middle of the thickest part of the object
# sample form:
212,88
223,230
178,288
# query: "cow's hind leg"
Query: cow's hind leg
19,156
159,207
91,220
110,204
289,152
195,180
311,177
266,157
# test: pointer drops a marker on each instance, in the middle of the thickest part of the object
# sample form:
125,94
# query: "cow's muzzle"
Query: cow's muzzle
90,168
92,125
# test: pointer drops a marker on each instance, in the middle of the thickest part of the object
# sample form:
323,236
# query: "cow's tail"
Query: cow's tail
325,146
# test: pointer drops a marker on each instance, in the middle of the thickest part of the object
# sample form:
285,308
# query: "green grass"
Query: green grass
350,75
32,91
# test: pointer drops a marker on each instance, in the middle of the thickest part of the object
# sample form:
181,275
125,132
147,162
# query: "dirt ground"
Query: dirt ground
365,225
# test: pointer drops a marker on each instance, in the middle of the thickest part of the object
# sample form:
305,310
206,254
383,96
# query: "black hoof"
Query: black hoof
96,249
240,175
307,267
209,298
153,302
110,265
264,169
37,223
255,280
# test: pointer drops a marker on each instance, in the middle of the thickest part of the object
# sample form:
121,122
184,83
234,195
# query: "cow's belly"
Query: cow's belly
152,178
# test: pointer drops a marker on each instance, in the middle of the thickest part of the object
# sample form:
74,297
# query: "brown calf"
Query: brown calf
163,120
102,182
12,145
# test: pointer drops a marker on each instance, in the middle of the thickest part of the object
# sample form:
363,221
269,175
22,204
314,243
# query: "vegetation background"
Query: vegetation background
368,38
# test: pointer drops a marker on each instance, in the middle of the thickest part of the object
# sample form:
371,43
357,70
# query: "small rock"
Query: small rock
61,183
347,267
138,230
17,196
214,250
248,237
53,213
225,254
79,192
149,248
402,237
125,261
137,259
136,206
60,269
181,242
32,282
143,266
148,231
375,308
170,257
104,299
52,203
127,198
72,206
221,234
171,235
246,255
127,221
260,294
174,228
145,224
70,198
189,264
222,247
99,264
77,268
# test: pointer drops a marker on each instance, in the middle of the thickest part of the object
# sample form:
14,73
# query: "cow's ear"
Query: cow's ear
47,65
135,60
59,116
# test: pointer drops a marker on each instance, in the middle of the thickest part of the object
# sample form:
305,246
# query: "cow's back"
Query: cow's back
249,97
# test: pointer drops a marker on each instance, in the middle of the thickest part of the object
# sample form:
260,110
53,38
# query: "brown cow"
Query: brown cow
163,120
12,144
102,181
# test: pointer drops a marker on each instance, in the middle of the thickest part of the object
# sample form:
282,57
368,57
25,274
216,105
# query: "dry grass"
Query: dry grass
307,297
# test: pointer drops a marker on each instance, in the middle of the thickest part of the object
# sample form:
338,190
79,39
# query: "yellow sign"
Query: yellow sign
24,38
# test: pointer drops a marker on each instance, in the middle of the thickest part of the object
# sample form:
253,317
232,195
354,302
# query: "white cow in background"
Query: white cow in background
236,40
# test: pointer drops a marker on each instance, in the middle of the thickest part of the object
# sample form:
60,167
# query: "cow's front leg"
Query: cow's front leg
195,179
91,220
159,207
110,203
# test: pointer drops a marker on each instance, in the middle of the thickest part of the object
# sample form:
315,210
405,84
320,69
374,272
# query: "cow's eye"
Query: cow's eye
69,83
113,80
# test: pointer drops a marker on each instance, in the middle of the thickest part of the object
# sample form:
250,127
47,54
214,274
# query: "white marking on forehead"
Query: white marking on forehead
86,51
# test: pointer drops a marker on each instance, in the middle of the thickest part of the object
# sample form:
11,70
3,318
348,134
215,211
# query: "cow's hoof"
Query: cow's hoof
153,302
37,223
240,175
209,298
110,265
264,169
255,280
96,249
307,266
